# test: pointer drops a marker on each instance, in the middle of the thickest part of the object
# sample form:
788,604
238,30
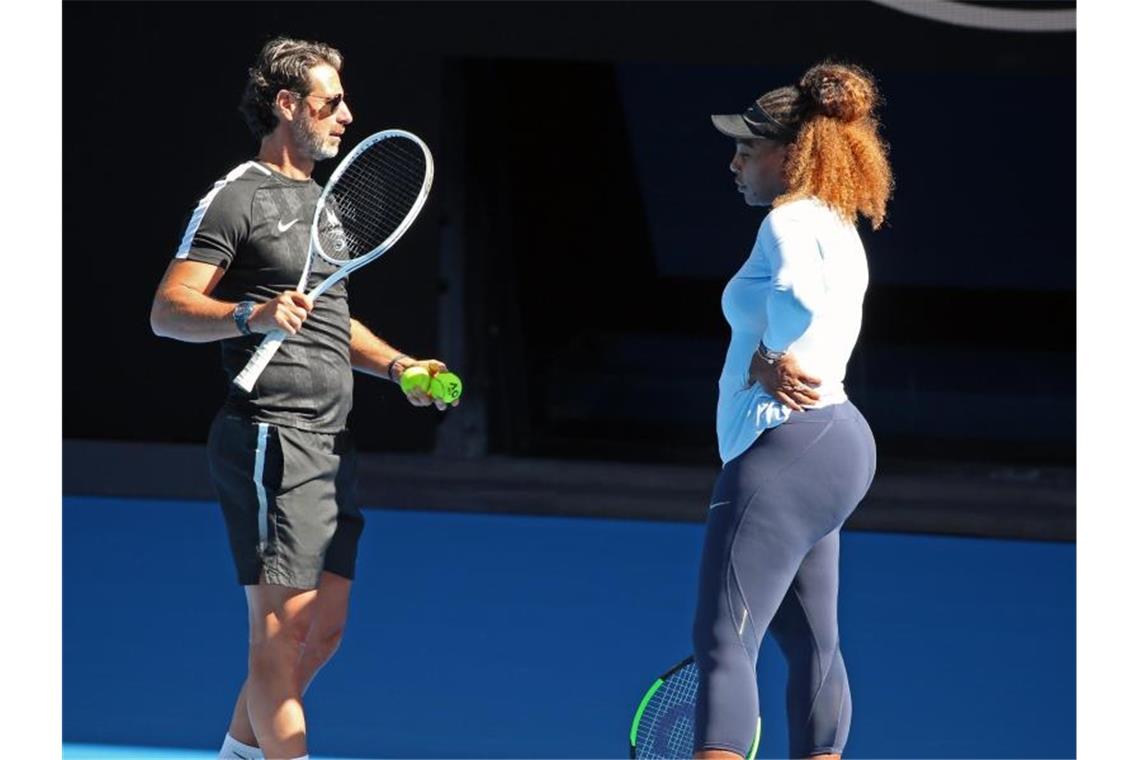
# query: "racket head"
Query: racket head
663,724
372,198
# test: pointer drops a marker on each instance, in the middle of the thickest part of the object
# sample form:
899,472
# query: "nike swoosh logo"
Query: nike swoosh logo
285,227
719,504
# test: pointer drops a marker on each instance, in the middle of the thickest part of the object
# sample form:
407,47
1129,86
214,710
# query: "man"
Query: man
280,457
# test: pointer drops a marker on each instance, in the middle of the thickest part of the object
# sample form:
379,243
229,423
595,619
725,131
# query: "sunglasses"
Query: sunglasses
332,102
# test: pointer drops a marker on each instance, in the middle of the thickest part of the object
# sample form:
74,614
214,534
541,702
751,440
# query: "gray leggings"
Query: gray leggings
771,562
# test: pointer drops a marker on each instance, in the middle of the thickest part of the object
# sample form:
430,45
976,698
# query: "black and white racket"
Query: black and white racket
663,724
370,200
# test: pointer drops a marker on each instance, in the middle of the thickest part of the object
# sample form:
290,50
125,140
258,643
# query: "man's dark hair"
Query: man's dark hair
283,64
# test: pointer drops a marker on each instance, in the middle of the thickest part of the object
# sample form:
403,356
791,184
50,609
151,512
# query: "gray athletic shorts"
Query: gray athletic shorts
289,500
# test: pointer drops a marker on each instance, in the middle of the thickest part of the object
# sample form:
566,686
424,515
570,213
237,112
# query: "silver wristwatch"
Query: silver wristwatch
769,356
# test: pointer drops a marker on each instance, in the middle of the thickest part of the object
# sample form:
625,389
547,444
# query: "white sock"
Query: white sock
232,749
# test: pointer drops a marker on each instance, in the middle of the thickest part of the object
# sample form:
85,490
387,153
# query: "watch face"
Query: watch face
241,316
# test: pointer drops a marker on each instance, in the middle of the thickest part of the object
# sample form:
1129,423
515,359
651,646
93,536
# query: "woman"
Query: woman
798,456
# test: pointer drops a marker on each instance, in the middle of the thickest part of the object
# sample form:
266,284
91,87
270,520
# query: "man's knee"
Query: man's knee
322,645
278,653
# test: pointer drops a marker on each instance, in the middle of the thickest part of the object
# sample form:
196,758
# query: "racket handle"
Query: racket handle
257,363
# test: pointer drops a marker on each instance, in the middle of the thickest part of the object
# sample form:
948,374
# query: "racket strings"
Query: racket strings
372,198
666,728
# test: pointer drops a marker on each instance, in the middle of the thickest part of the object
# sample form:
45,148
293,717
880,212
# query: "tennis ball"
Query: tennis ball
446,386
415,378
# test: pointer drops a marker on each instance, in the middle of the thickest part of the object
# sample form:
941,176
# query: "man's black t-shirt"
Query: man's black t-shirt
255,223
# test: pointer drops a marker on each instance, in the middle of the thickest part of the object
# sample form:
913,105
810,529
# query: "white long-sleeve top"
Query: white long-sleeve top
801,290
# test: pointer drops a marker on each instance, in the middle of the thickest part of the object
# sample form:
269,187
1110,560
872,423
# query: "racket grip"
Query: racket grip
257,363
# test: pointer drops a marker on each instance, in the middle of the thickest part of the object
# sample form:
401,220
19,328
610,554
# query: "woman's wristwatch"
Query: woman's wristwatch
769,356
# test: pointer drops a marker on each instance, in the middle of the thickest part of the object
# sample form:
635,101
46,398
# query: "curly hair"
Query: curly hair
837,154
282,64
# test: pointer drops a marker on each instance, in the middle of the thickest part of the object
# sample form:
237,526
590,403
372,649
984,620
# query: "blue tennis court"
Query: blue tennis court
115,752
522,637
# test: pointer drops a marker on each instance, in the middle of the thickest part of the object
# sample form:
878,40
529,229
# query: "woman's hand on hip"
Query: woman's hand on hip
785,381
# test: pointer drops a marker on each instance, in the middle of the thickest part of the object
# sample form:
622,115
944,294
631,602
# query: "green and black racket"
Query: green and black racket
663,725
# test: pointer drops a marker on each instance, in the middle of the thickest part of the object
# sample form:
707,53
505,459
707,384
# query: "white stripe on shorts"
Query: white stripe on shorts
258,474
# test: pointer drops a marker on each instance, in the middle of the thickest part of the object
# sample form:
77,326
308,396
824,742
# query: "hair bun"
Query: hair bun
841,91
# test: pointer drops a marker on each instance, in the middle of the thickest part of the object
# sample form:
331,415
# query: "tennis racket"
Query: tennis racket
663,724
370,200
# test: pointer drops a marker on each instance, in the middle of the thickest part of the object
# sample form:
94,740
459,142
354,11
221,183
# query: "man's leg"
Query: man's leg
287,543
240,728
328,627
324,638
279,622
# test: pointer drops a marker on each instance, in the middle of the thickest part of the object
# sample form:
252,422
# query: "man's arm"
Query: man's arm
375,356
183,308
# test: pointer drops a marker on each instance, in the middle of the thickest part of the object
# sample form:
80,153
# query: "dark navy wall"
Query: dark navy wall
989,206
507,636
583,211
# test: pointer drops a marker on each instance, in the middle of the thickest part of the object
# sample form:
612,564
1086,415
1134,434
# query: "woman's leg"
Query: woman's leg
754,543
798,483
807,629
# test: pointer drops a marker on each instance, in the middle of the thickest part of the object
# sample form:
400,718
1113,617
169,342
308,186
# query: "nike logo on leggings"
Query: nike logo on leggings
714,505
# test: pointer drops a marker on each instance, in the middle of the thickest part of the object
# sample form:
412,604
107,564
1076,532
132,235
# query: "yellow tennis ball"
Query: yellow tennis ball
446,386
415,378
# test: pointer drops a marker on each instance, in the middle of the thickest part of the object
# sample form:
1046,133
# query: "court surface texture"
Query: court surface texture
511,636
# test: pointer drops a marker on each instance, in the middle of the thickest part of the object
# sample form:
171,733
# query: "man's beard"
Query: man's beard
310,142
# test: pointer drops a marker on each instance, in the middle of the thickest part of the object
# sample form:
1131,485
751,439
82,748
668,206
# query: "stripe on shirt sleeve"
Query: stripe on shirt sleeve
204,204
